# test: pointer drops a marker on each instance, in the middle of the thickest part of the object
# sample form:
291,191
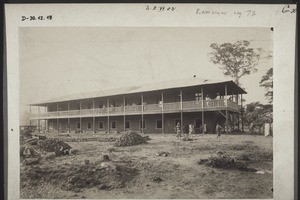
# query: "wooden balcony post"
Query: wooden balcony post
162,101
181,122
180,99
225,95
142,102
226,123
47,120
202,99
242,118
108,128
80,107
94,115
39,119
57,123
124,118
93,106
69,126
181,114
69,129
57,108
124,110
80,123
162,114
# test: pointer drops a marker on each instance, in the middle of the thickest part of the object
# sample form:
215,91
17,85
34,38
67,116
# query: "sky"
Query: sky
58,61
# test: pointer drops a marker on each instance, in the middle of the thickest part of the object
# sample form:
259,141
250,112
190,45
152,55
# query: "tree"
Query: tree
267,82
258,113
235,59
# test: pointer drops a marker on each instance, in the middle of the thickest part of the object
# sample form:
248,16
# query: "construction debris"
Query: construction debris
49,156
54,145
130,139
157,179
32,141
187,139
224,162
163,154
105,158
74,151
31,161
87,139
28,151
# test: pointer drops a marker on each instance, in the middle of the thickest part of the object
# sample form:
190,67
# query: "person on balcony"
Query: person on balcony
207,99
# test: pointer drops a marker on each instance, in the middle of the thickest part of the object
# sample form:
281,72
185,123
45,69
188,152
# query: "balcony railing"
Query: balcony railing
147,108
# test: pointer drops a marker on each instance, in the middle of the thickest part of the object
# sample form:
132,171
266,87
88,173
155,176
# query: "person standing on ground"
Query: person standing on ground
251,126
267,129
178,130
218,130
204,129
191,129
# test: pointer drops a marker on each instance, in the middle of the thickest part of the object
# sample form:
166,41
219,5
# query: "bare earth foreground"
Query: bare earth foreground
138,172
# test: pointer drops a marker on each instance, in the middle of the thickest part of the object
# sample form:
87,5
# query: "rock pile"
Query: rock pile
53,145
80,139
130,139
224,162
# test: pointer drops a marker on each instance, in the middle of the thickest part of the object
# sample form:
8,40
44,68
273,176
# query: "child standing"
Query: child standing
178,130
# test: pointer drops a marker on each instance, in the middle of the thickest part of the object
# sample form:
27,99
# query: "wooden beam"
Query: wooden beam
108,128
80,107
162,114
80,124
124,110
57,121
163,123
142,102
38,119
224,115
202,113
94,115
181,122
242,118
226,123
69,128
39,125
124,123
180,99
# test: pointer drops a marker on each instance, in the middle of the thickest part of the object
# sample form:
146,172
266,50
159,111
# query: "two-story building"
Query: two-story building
150,108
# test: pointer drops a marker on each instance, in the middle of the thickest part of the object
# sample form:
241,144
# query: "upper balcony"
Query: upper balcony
173,107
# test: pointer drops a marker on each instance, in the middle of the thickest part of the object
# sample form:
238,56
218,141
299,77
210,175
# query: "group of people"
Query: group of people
267,128
191,130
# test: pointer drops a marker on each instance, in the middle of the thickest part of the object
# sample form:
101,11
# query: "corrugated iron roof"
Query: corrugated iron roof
183,83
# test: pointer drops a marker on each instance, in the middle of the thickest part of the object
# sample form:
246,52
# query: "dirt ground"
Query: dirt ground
144,174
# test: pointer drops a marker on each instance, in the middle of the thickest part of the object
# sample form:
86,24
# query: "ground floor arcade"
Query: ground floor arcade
151,123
